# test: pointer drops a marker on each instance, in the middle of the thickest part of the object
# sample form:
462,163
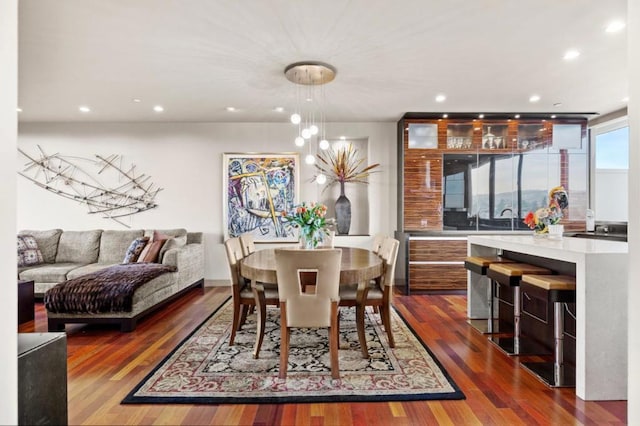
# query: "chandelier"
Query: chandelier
309,77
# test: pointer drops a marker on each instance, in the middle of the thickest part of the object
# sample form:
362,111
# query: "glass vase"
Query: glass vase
310,238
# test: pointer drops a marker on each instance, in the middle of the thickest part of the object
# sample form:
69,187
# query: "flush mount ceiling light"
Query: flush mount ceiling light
571,54
309,77
615,26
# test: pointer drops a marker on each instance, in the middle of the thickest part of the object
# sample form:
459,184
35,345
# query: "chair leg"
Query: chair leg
385,313
235,325
361,335
284,343
333,341
243,316
261,306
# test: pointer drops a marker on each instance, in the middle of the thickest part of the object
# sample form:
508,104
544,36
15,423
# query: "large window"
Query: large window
610,145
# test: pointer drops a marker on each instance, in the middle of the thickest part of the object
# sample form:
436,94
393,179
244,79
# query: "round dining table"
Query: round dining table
357,266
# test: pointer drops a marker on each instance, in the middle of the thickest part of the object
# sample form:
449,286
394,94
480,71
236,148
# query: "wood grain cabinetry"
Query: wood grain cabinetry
437,263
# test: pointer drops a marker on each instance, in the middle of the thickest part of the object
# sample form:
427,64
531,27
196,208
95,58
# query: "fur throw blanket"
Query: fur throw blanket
108,290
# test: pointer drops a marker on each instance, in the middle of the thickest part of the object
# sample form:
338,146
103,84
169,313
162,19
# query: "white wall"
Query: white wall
8,131
185,159
609,203
633,34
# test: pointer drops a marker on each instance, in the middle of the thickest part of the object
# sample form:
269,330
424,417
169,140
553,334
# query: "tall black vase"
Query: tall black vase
343,212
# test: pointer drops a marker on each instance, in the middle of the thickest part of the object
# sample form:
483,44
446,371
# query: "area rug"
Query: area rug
204,369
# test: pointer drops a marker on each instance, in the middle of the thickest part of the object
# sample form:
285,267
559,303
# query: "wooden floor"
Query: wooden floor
105,364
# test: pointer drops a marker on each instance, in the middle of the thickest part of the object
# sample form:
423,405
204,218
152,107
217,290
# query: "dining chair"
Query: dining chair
244,297
378,239
379,293
308,310
248,246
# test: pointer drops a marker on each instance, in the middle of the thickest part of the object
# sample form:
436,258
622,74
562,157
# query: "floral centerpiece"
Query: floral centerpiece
310,220
541,219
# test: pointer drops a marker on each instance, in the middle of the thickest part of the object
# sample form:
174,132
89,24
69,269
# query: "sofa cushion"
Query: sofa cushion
178,232
28,252
134,250
47,242
49,273
114,244
87,269
79,247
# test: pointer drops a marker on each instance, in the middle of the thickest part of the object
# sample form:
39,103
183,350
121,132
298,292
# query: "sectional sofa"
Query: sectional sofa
71,254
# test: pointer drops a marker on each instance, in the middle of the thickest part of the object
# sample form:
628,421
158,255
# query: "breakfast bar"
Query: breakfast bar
600,268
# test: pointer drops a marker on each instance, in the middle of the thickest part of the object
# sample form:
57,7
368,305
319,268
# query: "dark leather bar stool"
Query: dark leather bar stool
480,265
509,275
559,290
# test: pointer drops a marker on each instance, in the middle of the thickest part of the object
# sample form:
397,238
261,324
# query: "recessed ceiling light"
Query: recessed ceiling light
481,116
553,116
534,98
84,108
516,116
158,108
343,138
136,100
445,115
571,54
615,26
441,98
309,99
18,109
625,99
230,108
278,109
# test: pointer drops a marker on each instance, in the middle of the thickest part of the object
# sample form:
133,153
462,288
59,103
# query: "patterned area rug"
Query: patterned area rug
204,369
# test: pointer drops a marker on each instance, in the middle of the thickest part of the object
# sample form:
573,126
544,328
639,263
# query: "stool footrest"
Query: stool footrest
524,346
544,372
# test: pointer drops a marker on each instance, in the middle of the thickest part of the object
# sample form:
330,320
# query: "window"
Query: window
610,145
454,191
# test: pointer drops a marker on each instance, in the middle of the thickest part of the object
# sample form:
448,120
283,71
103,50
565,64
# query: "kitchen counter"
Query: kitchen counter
601,270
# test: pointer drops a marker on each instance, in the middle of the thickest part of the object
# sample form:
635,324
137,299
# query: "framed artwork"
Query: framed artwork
257,188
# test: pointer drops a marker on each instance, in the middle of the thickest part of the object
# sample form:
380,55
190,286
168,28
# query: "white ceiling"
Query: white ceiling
196,57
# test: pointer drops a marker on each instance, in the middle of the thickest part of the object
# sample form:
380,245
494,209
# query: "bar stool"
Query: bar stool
559,290
509,275
479,265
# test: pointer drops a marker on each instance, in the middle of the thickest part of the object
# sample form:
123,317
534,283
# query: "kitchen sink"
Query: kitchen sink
598,235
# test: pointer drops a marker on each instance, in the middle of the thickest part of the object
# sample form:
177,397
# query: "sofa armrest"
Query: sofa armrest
189,260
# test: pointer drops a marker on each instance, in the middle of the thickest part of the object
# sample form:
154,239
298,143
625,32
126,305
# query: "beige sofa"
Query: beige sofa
69,254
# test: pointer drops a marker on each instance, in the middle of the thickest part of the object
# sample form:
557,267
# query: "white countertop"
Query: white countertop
566,248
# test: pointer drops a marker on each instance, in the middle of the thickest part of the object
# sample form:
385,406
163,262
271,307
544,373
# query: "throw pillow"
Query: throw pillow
154,251
134,250
28,252
171,243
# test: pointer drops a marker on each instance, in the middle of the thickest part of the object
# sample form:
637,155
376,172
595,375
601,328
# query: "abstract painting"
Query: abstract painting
257,189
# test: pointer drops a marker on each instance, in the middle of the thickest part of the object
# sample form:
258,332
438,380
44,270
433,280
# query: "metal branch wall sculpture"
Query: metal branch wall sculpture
63,176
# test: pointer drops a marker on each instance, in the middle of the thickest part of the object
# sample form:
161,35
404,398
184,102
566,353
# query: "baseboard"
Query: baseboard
217,283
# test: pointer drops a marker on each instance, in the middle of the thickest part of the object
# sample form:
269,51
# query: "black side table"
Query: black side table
25,301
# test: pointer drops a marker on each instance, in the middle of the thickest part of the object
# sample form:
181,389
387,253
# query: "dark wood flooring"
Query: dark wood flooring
105,364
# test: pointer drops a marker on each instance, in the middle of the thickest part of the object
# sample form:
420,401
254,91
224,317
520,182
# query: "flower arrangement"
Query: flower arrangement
310,219
343,166
540,220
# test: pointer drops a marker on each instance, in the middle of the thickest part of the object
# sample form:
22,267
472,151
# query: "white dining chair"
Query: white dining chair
308,310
